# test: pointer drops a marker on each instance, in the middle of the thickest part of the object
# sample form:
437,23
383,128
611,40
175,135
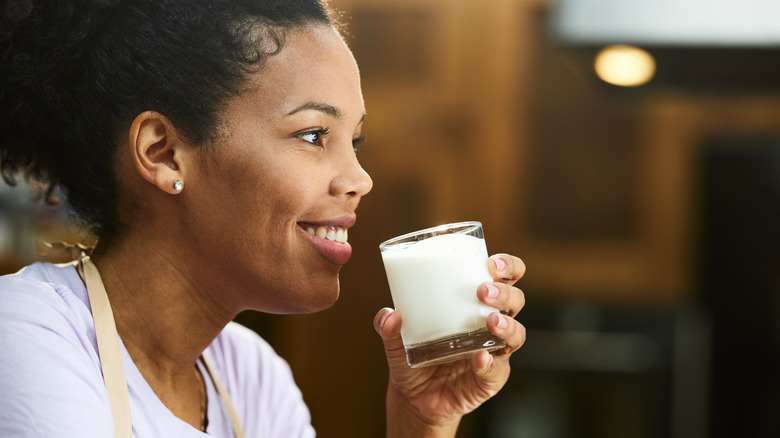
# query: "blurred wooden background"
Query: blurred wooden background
474,113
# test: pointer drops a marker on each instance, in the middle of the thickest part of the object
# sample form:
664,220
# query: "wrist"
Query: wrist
404,420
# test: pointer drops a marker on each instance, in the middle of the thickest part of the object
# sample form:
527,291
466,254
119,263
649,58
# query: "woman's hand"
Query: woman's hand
431,400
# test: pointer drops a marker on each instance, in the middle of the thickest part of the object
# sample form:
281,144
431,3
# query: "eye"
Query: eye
357,142
314,137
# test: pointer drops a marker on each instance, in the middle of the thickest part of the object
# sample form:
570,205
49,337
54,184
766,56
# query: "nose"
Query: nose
351,179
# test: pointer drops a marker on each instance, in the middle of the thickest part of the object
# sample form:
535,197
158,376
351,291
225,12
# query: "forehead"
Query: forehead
313,65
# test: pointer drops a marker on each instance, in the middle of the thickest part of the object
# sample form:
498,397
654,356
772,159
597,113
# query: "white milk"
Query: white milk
434,286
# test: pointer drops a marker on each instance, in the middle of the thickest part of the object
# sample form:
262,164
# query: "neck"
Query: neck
165,319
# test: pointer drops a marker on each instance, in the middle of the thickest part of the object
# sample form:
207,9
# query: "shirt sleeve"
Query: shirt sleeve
51,384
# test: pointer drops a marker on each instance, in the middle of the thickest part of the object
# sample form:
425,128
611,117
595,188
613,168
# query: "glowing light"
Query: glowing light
625,66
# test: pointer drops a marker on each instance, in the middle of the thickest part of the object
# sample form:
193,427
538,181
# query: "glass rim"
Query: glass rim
430,230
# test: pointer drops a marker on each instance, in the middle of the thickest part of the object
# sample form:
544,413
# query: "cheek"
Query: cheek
280,198
291,187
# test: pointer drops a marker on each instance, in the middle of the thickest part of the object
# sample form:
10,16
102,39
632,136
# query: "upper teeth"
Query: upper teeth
333,233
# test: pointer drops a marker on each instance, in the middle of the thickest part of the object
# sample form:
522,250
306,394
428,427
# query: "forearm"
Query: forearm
405,421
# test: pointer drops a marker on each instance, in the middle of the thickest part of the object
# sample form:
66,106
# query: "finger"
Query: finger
509,300
387,323
508,329
481,362
506,268
492,371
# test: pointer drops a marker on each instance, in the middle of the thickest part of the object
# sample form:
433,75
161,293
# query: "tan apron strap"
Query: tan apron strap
108,348
238,431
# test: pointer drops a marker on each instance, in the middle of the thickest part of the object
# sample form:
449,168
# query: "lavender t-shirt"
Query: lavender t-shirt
51,384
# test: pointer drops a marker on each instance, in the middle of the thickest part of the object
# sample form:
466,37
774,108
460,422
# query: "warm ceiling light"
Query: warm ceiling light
625,66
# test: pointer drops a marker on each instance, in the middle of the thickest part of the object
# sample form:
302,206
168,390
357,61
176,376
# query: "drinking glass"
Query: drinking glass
433,276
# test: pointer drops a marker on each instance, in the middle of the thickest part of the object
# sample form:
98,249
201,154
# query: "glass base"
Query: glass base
452,348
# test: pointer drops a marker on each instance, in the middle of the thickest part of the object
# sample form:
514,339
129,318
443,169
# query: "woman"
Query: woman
209,145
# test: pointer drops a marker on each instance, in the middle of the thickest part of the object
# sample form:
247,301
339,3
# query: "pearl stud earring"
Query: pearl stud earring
178,185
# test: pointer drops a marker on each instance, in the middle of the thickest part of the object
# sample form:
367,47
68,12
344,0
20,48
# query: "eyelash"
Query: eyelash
320,133
357,142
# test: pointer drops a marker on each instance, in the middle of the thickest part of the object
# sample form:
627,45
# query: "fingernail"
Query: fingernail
492,291
382,319
500,264
501,323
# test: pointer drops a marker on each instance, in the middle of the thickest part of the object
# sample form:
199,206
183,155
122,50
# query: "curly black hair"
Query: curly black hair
74,74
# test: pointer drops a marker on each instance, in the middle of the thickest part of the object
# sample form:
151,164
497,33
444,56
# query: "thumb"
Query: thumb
387,323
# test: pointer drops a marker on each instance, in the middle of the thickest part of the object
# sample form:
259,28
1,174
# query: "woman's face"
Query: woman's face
271,205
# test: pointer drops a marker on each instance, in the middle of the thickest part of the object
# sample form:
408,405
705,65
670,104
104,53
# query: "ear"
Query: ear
156,150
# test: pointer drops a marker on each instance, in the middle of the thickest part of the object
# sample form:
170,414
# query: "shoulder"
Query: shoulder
49,369
41,280
28,285
44,295
260,383
45,298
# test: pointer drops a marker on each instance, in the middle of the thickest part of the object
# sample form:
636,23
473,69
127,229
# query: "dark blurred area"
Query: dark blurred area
647,215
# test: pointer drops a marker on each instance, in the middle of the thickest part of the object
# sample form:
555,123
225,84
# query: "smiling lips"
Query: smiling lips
330,241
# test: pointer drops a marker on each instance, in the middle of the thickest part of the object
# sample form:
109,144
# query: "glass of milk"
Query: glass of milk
433,276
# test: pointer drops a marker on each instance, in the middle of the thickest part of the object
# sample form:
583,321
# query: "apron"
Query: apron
108,343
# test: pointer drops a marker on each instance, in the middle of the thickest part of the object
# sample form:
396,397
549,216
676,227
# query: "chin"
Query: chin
325,299
310,298
322,292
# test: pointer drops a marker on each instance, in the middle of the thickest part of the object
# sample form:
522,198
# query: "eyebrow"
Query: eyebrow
322,107
318,106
